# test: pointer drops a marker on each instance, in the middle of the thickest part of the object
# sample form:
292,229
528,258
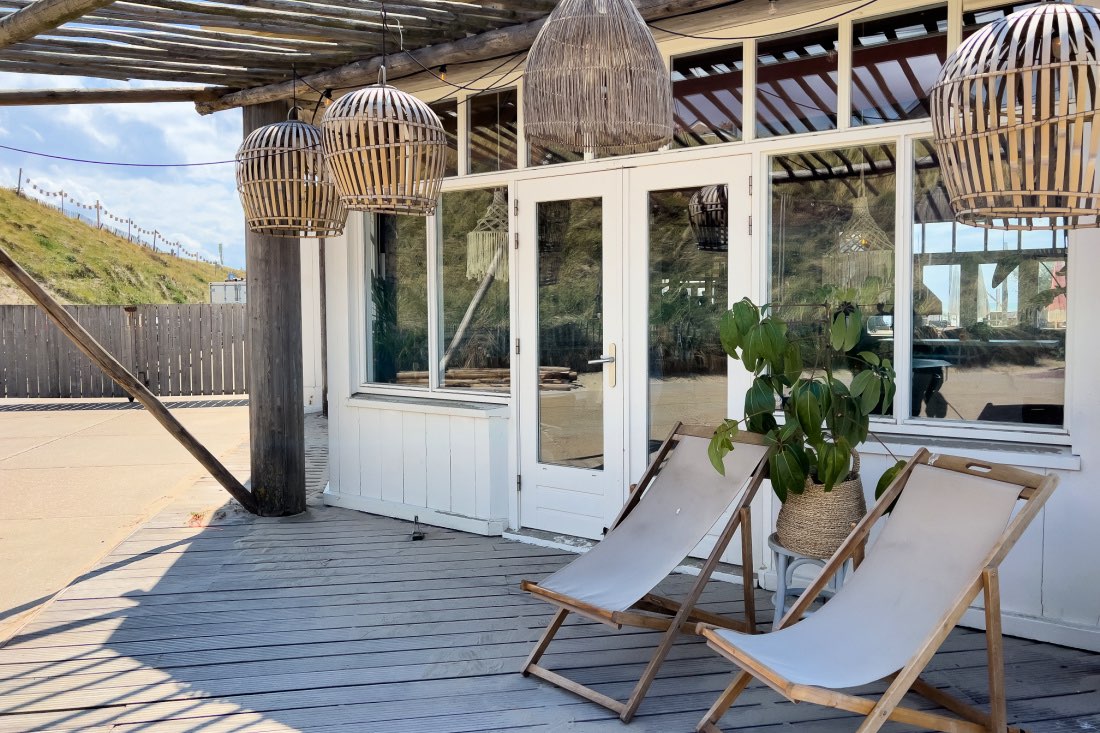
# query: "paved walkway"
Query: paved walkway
74,483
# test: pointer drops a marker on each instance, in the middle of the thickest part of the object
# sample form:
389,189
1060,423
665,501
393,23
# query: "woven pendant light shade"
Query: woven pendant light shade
386,150
1016,119
285,189
708,212
863,251
595,81
487,244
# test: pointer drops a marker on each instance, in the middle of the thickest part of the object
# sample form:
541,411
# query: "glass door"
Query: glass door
690,257
571,355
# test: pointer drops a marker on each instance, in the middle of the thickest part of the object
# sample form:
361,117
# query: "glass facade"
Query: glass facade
708,94
398,304
494,126
796,83
448,115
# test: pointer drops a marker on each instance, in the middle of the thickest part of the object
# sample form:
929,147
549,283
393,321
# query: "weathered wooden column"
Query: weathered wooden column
276,413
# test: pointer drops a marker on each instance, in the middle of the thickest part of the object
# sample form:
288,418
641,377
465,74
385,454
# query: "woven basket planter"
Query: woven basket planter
386,150
816,522
1016,119
285,188
595,81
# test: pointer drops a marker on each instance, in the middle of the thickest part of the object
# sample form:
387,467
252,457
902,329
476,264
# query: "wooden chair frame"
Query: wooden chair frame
654,611
1036,489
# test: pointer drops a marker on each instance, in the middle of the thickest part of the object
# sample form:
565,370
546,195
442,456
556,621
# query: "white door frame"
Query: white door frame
595,495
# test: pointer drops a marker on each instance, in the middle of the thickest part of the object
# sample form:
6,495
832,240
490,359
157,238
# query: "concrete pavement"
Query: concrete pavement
73,484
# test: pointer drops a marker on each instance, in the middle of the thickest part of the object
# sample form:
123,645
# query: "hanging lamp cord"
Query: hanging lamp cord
385,32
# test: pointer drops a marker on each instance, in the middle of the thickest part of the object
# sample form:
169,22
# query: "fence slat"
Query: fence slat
176,349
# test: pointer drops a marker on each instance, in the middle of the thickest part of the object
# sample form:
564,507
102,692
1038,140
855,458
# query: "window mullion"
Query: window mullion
435,299
844,75
903,280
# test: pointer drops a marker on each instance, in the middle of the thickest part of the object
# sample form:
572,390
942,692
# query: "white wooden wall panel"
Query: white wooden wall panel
463,469
414,450
437,462
370,450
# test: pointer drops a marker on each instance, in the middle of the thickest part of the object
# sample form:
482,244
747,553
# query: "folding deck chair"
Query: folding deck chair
942,545
669,512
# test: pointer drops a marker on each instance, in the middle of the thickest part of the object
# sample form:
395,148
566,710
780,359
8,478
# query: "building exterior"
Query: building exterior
518,384
229,291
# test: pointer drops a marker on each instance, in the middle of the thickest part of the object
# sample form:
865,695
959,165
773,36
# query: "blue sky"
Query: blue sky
196,206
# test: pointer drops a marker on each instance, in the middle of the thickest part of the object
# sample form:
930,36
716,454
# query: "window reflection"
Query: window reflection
832,241
895,62
398,347
448,115
707,90
688,293
494,125
989,314
796,83
474,331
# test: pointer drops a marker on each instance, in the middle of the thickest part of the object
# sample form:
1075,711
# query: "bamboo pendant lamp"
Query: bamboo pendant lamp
285,188
1016,119
708,213
863,252
386,150
487,244
595,81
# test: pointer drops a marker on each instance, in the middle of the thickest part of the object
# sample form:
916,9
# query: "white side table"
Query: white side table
786,562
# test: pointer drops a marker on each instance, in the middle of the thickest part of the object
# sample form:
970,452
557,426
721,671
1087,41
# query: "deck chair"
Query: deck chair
679,498
942,545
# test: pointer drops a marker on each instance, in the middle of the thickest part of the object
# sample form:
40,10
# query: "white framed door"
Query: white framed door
572,407
681,279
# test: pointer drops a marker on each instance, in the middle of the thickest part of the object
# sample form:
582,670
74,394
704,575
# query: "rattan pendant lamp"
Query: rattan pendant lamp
595,81
386,148
285,188
708,214
1016,119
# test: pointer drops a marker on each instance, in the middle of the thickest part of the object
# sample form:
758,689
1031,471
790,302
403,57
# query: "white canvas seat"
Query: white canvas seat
952,525
678,501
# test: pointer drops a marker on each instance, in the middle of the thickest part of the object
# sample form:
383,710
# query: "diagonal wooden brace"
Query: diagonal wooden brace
134,386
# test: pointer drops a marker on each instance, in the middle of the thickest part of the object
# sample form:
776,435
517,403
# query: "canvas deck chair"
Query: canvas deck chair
669,512
941,546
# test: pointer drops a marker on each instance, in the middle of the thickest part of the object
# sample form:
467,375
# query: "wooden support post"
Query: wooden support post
276,409
131,384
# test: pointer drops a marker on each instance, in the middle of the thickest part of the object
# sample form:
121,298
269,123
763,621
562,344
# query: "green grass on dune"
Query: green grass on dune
81,264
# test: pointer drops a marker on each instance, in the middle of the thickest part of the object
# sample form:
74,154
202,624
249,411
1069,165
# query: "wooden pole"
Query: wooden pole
28,97
276,408
43,15
19,184
131,384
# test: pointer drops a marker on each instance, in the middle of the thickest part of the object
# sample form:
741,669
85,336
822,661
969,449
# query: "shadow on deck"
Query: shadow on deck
336,621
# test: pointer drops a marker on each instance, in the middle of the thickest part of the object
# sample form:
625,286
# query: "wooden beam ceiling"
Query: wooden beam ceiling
43,15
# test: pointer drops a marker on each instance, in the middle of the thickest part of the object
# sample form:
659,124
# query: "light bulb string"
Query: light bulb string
807,26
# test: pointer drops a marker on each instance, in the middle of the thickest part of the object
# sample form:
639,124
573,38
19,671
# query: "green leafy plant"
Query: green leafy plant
823,418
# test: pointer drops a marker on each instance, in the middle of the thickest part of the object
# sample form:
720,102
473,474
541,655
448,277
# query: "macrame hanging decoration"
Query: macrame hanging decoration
487,244
863,253
595,81
1016,121
285,188
708,213
554,220
387,149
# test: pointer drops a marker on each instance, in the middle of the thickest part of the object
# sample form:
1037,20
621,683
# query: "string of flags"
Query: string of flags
132,229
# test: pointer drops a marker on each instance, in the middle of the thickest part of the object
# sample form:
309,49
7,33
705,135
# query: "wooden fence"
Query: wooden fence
176,350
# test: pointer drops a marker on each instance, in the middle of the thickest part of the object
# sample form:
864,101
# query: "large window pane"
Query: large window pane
474,335
796,83
549,155
707,90
989,314
448,115
688,293
399,302
493,131
895,62
832,241
973,20
570,328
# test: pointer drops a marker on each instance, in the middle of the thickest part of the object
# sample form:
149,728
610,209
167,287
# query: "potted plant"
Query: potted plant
812,418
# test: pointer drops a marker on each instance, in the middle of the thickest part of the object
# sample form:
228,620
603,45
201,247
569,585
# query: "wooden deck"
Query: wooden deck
336,621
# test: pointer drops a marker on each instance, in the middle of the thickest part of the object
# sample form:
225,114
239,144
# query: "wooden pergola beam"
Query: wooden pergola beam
29,97
490,44
43,15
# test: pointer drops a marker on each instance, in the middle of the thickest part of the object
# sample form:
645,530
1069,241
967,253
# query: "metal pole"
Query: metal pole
19,184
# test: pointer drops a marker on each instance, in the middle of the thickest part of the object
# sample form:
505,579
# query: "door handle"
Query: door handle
609,360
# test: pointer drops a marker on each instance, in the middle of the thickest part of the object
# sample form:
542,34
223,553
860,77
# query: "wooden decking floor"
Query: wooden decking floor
336,621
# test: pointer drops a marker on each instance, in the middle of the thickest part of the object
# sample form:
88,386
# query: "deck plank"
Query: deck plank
335,621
